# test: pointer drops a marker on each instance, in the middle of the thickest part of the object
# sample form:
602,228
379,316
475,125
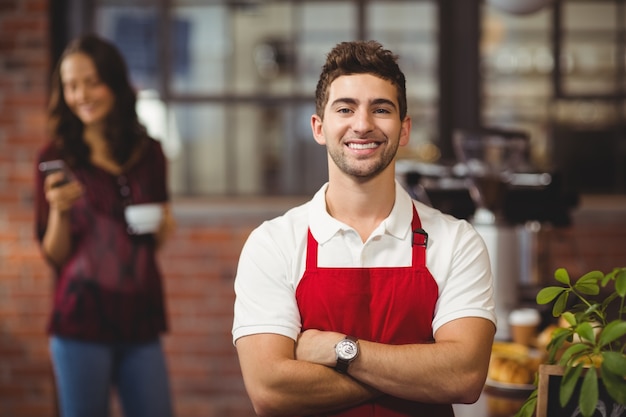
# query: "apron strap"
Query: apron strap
311,252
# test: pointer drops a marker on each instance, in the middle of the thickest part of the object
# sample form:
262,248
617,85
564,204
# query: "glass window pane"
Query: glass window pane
304,165
321,25
200,167
246,149
516,71
276,152
590,48
103,3
249,50
202,49
135,31
517,65
263,55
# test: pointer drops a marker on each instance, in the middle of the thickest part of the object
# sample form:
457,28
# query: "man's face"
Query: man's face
361,127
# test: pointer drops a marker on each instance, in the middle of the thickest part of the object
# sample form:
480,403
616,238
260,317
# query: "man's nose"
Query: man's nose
363,121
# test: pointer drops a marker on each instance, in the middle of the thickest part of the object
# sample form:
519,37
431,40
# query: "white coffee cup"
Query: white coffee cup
524,323
143,218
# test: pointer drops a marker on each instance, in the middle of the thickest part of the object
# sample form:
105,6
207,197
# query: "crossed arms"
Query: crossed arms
285,378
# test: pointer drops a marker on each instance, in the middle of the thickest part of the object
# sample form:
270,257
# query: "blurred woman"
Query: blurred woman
108,311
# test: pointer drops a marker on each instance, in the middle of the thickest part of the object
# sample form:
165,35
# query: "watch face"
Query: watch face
347,350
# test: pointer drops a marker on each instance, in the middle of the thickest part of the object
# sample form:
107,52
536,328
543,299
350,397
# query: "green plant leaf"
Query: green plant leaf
569,318
620,283
568,383
588,288
559,337
529,406
589,393
592,276
588,283
585,331
562,333
608,300
615,362
613,331
562,276
610,276
561,304
547,294
615,384
573,350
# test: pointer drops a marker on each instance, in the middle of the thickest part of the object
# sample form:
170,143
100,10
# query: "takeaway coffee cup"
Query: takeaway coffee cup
143,218
523,323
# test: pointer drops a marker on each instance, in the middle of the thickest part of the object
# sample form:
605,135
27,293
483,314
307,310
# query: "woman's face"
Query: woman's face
86,95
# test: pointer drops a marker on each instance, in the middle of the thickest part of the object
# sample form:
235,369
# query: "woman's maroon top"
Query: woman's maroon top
110,288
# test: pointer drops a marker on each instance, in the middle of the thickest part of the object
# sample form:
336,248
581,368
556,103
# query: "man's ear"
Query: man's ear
405,131
316,128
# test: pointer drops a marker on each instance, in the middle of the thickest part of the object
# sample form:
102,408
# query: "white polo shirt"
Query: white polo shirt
273,261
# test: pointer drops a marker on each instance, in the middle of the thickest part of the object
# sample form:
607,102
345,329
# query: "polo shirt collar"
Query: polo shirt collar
324,227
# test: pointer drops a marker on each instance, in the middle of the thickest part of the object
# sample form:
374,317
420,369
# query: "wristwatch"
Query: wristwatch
346,350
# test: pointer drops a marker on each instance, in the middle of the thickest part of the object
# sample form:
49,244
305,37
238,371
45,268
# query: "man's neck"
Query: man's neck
361,205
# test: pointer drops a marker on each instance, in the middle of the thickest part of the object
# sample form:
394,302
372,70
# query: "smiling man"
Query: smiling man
363,302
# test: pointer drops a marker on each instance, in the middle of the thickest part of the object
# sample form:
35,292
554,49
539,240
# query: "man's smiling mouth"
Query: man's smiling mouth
369,145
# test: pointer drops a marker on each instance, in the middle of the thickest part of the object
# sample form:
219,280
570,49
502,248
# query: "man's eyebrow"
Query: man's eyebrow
375,102
343,100
384,101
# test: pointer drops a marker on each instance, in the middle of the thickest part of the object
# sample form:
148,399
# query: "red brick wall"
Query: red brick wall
25,382
199,263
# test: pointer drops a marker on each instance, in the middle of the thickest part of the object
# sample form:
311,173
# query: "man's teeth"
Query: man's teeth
369,145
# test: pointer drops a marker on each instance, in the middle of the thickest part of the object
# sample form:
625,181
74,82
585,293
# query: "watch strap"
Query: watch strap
342,366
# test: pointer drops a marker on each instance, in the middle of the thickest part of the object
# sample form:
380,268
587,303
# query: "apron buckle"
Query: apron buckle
422,240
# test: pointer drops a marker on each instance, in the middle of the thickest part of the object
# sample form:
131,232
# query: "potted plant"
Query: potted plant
591,346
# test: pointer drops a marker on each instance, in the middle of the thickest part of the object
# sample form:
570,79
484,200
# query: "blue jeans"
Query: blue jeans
86,371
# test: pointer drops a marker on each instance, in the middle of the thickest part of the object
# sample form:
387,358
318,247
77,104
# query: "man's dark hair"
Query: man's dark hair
360,57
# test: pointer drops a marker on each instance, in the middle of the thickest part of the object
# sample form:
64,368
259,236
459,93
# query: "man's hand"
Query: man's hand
318,347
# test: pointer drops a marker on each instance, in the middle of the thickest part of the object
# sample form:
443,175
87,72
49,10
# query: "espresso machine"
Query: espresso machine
493,161
511,204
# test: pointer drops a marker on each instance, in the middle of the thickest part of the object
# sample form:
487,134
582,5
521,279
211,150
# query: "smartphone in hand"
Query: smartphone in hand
57,165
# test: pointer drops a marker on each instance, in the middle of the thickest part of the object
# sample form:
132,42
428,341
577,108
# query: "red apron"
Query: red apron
391,305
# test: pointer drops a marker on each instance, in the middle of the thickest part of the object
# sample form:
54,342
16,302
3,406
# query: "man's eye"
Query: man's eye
381,111
343,111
